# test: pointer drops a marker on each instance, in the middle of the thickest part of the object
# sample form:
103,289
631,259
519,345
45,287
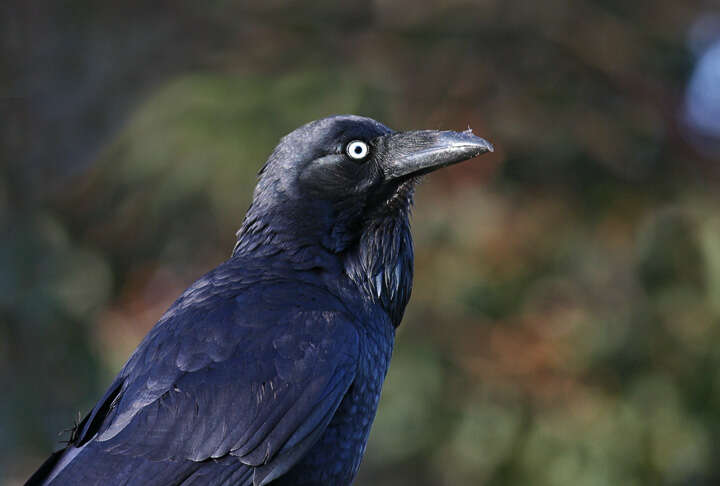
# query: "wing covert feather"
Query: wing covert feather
251,376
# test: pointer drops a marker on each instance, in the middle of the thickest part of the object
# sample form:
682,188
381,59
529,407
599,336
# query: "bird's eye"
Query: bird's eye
357,149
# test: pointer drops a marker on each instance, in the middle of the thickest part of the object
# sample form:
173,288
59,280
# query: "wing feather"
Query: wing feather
239,373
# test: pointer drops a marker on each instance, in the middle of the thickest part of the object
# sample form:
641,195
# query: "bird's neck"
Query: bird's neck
379,262
293,250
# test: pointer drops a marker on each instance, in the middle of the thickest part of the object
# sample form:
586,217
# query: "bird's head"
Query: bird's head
328,180
343,185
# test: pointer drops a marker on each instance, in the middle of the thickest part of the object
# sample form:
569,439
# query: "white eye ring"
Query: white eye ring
357,149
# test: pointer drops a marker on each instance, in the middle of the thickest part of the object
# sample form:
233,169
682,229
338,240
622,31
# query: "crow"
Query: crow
268,369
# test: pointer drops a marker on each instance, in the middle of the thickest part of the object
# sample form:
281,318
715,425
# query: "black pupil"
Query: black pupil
358,149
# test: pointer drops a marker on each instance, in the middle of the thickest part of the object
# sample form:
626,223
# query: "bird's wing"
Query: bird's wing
256,373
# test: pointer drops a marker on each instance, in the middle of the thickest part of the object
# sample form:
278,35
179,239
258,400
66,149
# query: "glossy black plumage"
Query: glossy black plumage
269,368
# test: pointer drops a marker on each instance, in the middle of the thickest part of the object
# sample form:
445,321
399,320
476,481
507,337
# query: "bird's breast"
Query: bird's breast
336,457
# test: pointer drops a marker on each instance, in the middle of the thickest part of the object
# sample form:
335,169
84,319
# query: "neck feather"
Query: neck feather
379,262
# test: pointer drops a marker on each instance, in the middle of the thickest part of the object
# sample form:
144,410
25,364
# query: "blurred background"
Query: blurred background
565,322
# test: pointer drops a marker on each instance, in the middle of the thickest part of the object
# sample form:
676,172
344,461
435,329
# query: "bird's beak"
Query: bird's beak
409,154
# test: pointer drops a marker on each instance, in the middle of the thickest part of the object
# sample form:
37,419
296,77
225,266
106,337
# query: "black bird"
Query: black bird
269,368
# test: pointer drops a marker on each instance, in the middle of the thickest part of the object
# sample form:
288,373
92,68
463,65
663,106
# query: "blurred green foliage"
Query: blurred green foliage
564,322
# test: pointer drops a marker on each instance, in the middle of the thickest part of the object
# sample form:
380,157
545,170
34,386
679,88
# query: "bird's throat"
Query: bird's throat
381,263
